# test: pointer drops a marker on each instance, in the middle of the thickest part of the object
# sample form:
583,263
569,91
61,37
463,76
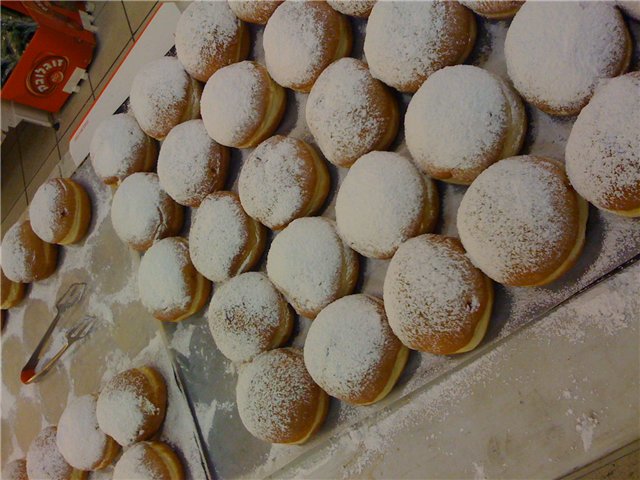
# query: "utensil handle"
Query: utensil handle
49,364
33,360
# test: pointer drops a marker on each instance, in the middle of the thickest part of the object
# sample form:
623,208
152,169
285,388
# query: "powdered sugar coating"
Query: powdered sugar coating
218,236
138,213
191,165
134,465
343,115
514,218
15,470
158,94
205,37
429,293
380,203
457,120
305,263
272,181
116,145
295,43
24,254
558,52
254,11
232,103
122,408
44,461
45,209
79,439
603,150
244,315
161,278
405,41
356,8
346,344
273,391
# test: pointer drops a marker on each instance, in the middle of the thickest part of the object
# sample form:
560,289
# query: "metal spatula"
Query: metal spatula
71,297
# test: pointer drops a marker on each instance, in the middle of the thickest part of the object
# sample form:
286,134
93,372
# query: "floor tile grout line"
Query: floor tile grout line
127,17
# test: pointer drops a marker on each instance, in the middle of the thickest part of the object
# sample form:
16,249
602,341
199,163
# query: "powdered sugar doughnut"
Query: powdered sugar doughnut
224,241
301,39
382,202
170,287
191,165
461,120
44,461
132,405
436,300
248,316
558,52
350,113
254,11
149,461
242,105
209,37
25,257
283,179
12,292
630,7
142,212
521,223
603,151
164,95
408,41
494,9
119,148
351,352
278,401
80,440
355,8
60,211
16,470
311,265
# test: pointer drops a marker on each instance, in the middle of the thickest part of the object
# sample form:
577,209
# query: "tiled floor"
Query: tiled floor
32,154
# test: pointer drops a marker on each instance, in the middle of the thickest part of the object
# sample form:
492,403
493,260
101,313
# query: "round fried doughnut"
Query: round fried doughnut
242,105
436,300
277,399
408,41
494,9
301,39
603,151
254,11
60,211
461,120
383,201
521,223
191,165
170,287
351,352
557,53
350,113
149,461
355,8
132,405
248,316
80,441
283,179
208,37
45,462
119,148
311,265
142,212
12,292
224,241
25,257
15,470
164,95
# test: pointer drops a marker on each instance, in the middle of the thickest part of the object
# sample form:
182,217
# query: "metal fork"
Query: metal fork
75,333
